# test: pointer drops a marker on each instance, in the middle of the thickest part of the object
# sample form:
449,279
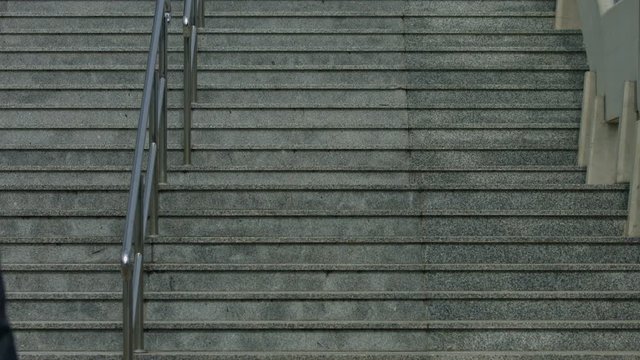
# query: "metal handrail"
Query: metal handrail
142,208
192,20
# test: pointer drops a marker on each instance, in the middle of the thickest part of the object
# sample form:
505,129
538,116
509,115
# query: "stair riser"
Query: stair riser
84,253
426,97
66,178
319,355
390,200
475,8
300,178
430,226
393,178
323,226
383,79
500,177
490,116
301,23
328,254
329,200
111,281
282,118
318,138
394,254
361,7
397,42
349,340
478,24
513,59
556,40
352,310
294,158
310,98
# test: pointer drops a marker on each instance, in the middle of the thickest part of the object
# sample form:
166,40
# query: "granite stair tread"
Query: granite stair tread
201,213
179,168
334,295
344,31
331,240
340,325
337,187
292,86
371,180
287,67
310,355
168,267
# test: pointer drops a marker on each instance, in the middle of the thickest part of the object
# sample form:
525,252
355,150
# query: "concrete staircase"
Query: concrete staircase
371,180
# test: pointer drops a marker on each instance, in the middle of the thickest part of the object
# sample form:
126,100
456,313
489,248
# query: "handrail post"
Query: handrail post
186,138
194,64
143,203
154,128
138,326
199,24
127,313
162,126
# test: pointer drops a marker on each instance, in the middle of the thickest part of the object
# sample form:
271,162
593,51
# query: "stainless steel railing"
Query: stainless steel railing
192,20
142,209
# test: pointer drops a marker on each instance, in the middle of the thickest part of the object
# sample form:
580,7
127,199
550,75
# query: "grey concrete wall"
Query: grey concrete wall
611,32
619,54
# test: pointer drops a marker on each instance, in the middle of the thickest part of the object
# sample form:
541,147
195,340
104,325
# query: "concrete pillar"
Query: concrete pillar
603,147
627,134
632,227
567,15
588,100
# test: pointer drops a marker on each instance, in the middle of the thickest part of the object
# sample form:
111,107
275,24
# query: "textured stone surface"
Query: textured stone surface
372,180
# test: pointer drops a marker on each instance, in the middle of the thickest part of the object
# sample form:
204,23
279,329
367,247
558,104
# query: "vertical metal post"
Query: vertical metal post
186,138
151,121
199,24
138,336
162,127
127,314
154,128
194,64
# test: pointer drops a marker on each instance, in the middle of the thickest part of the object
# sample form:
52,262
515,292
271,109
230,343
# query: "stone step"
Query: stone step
91,58
224,307
92,250
306,27
304,138
360,355
115,79
238,118
285,223
300,98
68,278
313,23
327,148
327,197
282,8
120,175
101,156
340,335
297,42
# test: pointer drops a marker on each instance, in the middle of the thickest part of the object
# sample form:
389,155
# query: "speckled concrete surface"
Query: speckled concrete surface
372,180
